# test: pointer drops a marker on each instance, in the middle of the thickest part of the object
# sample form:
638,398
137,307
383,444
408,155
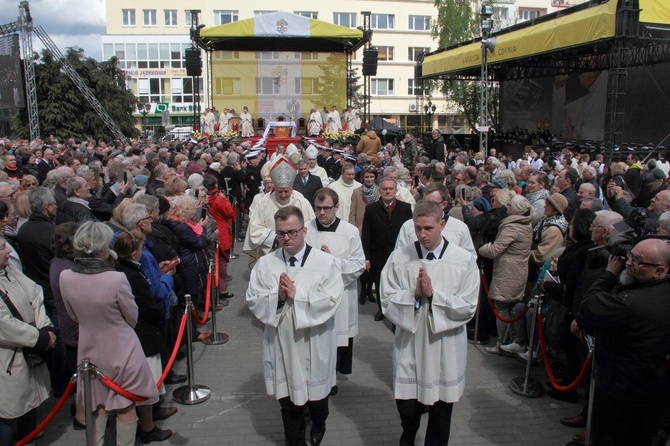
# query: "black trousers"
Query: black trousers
439,422
345,356
294,419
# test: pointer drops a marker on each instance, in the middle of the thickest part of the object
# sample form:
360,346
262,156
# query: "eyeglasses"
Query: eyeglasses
323,208
293,233
638,263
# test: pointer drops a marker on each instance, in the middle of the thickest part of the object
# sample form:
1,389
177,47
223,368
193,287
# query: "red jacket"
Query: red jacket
223,214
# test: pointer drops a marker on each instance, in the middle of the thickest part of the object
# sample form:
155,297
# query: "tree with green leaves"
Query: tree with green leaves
332,83
458,22
63,110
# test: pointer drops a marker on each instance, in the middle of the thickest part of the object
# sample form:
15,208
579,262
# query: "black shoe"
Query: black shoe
362,299
316,436
568,397
379,316
227,295
334,390
155,434
175,379
76,425
163,413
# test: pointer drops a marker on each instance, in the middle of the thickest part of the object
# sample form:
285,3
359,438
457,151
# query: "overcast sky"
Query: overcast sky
69,23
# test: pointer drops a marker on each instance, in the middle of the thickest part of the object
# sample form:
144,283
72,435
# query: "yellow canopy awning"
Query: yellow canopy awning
571,30
282,31
655,11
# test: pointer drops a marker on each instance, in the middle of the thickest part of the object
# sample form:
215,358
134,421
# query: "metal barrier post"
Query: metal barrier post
190,393
591,343
86,370
475,336
215,338
526,386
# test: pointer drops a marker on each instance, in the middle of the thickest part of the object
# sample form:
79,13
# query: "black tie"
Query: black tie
430,256
292,260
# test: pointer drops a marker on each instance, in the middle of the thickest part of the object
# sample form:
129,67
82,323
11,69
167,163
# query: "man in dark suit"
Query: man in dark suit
305,183
252,176
381,225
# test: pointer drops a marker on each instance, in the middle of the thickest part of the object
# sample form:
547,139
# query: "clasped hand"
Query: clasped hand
424,286
286,288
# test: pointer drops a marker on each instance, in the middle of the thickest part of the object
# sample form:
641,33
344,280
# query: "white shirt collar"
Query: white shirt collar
298,256
436,252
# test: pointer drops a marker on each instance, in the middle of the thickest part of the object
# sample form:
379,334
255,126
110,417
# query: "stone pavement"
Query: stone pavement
363,413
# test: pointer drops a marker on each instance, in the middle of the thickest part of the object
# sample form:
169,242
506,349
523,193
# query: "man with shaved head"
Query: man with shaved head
628,310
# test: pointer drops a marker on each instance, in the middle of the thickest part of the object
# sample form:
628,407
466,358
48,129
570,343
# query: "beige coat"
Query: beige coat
357,210
552,239
510,252
370,144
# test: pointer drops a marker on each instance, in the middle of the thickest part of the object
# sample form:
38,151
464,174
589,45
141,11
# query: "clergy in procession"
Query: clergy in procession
260,236
246,123
454,231
345,186
314,123
337,237
314,168
225,121
351,120
429,290
295,292
333,121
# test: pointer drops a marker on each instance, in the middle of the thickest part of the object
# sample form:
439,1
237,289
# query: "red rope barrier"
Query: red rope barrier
173,356
545,358
208,289
123,392
59,405
497,314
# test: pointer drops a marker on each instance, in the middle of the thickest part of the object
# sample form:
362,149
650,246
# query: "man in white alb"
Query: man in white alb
345,186
295,292
429,290
314,123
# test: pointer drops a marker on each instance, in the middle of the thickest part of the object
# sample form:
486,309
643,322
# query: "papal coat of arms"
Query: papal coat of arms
282,26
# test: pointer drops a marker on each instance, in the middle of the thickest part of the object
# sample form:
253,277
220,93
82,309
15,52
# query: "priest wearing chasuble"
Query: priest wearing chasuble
296,291
429,290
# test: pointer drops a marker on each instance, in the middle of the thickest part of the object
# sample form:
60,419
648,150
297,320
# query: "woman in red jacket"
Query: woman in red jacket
223,214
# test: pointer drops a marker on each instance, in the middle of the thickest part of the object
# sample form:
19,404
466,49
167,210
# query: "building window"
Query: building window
170,17
187,18
227,86
306,85
226,55
267,55
414,87
385,53
128,17
308,14
530,14
382,21
257,13
419,22
381,87
306,56
149,17
347,19
267,86
222,17
500,13
414,52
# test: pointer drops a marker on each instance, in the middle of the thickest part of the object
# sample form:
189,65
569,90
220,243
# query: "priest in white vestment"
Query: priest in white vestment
295,292
260,236
225,123
351,120
333,121
455,231
246,123
330,234
314,123
314,168
345,186
429,290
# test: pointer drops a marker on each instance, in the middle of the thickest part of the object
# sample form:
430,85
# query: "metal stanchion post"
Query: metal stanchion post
215,338
591,343
475,337
86,370
190,393
233,233
526,386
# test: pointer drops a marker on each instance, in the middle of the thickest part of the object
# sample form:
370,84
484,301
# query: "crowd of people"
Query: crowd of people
406,226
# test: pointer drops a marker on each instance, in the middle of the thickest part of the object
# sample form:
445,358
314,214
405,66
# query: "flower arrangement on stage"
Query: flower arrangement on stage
343,137
198,135
228,136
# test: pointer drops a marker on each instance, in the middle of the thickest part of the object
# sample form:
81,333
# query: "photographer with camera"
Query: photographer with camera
628,311
646,219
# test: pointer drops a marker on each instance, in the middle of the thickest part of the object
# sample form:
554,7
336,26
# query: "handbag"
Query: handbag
34,358
557,324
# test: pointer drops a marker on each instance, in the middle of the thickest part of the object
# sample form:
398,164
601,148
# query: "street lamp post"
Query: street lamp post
429,110
144,110
488,44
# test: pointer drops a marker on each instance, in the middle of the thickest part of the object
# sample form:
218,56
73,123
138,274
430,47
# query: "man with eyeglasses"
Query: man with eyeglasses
295,292
628,311
330,234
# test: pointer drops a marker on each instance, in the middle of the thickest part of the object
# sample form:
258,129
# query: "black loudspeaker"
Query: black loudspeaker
370,57
193,62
